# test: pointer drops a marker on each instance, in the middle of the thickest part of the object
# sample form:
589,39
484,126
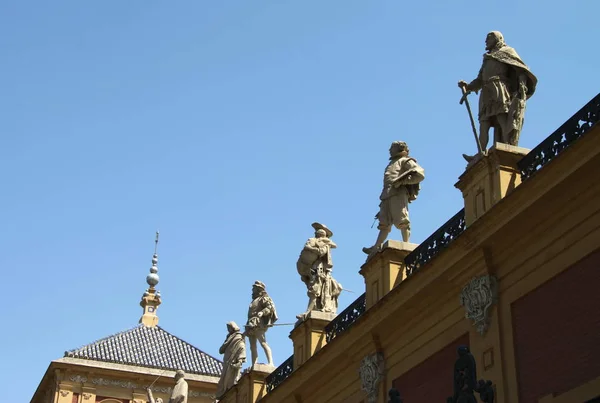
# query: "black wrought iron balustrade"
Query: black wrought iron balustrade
437,242
280,374
346,318
574,128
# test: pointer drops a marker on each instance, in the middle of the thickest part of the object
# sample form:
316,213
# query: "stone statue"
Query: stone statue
401,184
506,83
314,266
465,384
261,316
151,398
179,393
394,396
234,350
465,375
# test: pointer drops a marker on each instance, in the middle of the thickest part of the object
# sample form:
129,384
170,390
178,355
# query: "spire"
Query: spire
151,298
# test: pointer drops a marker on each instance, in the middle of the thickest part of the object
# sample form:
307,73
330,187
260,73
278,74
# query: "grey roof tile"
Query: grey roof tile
151,347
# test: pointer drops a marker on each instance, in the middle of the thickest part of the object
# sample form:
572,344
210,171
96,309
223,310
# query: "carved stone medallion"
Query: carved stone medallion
371,374
478,297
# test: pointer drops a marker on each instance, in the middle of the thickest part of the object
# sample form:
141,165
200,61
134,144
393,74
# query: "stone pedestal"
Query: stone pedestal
308,336
150,302
385,270
251,386
489,178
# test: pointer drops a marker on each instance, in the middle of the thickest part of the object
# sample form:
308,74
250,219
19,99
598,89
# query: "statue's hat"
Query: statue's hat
318,226
259,284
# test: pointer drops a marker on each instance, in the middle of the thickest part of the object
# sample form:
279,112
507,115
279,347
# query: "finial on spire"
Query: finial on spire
151,298
152,278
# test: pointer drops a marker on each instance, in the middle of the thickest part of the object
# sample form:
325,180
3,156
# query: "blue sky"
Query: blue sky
231,126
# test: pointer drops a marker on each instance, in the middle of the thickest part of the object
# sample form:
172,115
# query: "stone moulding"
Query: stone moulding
477,297
371,374
131,385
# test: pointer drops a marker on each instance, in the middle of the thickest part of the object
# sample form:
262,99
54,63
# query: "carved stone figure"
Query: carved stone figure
179,393
261,316
394,396
371,374
401,184
465,377
234,356
506,83
315,266
465,380
478,297
151,398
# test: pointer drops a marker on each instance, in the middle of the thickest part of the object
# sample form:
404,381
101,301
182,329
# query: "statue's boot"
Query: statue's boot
405,234
381,237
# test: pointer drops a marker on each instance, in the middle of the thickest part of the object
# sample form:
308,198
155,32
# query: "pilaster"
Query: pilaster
385,270
308,336
88,395
251,386
489,178
65,393
137,398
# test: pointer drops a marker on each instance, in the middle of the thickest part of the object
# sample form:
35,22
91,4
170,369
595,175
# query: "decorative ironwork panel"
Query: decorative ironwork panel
574,128
280,374
346,318
437,242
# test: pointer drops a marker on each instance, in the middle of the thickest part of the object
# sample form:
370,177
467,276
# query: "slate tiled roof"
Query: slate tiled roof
151,347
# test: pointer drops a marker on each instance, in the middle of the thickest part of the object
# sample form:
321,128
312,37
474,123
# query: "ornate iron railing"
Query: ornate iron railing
346,318
437,242
574,128
280,374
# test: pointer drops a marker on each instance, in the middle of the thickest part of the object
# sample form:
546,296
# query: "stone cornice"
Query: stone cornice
133,369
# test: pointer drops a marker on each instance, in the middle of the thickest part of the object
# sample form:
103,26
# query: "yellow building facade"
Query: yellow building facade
515,276
120,368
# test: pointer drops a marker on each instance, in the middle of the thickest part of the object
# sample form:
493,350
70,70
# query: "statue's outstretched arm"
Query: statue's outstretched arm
476,84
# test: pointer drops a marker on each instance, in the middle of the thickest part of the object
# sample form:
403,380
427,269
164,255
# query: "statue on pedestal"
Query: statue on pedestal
234,350
506,83
261,316
179,393
314,266
401,185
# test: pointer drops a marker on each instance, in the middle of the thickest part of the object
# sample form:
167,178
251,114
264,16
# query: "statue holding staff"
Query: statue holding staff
505,83
179,393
